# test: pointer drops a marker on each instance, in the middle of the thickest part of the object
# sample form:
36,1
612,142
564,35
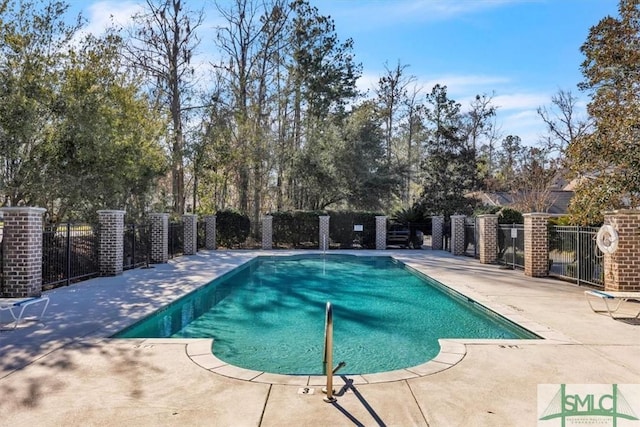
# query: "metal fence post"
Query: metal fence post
68,266
578,254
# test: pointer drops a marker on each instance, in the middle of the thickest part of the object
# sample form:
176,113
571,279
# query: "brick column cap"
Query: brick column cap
19,209
209,216
536,214
188,215
381,216
324,216
458,216
267,216
623,212
488,216
110,211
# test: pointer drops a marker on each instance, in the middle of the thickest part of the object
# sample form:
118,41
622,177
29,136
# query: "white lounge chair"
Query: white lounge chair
18,306
616,299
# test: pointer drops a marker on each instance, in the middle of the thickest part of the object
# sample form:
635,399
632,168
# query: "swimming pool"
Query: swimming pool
268,315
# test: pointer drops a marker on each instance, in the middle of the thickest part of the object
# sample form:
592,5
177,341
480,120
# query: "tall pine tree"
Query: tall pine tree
608,160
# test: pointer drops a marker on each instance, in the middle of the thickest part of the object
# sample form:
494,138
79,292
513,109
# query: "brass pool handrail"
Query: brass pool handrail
327,359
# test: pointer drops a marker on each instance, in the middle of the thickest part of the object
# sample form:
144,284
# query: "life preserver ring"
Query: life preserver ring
607,239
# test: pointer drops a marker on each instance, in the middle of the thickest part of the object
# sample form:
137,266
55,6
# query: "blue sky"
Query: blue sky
520,51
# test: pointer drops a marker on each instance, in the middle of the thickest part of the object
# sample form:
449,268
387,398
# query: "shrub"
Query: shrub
300,229
232,228
486,209
564,220
282,228
341,228
413,218
407,215
296,228
510,216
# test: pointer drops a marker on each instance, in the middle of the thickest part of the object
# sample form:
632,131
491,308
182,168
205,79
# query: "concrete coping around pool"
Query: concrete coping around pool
199,351
452,352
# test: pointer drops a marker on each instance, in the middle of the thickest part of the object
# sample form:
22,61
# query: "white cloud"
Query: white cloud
526,124
101,15
368,82
521,100
390,13
465,85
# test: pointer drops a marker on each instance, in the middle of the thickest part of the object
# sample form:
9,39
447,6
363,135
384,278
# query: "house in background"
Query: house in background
554,201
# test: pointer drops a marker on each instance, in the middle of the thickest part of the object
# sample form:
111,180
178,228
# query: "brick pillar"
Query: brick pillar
22,256
210,231
267,232
381,233
159,237
111,247
487,238
536,244
190,231
324,232
437,226
457,234
621,268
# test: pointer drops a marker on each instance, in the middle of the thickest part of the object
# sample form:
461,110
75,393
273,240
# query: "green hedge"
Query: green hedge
301,229
510,216
298,229
232,228
341,229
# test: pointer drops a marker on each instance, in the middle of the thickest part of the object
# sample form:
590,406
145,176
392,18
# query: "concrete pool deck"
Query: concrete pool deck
66,371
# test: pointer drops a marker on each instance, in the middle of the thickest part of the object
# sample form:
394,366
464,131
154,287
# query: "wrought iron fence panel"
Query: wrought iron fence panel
1,259
446,236
352,230
470,238
201,235
254,239
69,254
511,245
176,239
136,245
299,230
574,255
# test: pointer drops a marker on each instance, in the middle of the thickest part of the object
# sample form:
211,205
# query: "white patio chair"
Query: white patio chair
18,306
616,299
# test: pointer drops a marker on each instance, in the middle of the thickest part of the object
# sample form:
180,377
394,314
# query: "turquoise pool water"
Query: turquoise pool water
268,315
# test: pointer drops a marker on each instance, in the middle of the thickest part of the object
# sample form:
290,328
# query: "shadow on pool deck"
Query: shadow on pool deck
66,370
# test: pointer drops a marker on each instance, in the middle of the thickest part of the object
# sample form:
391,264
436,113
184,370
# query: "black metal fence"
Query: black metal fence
70,251
176,239
574,255
298,230
201,235
348,230
419,232
69,254
136,246
446,236
511,245
1,258
470,238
